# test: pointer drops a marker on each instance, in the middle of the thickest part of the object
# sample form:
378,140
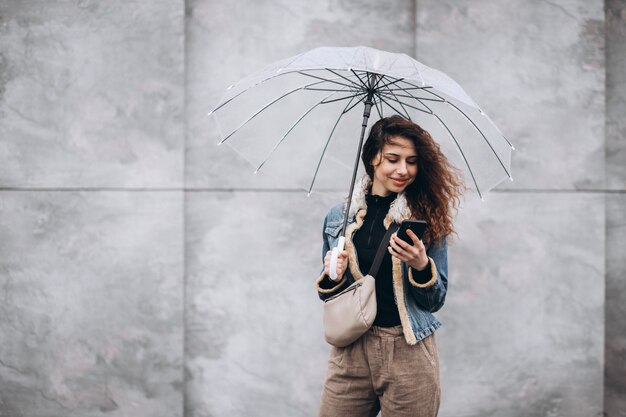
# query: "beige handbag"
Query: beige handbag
350,313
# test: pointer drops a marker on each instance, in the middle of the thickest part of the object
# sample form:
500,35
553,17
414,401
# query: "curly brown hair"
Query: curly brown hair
435,194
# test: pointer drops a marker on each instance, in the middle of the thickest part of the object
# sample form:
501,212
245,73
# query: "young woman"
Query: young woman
394,367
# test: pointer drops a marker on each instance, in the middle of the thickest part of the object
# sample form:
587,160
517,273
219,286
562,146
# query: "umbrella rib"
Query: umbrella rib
413,87
384,77
326,89
375,86
397,80
291,129
387,103
412,96
319,163
426,89
380,112
484,137
401,105
342,98
355,104
418,87
345,78
327,80
362,82
395,98
278,74
462,154
265,107
406,104
241,92
499,131
477,128
416,108
458,148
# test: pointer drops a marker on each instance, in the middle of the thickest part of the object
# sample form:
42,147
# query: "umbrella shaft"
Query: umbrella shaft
366,116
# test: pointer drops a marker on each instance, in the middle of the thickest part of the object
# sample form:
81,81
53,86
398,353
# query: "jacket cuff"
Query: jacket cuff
325,289
433,278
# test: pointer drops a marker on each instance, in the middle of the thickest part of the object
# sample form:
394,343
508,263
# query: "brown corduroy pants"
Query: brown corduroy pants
381,372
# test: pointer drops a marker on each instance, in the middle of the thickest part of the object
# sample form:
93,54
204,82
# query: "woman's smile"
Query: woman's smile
399,182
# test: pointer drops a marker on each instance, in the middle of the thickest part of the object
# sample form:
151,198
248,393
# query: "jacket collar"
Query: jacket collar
399,209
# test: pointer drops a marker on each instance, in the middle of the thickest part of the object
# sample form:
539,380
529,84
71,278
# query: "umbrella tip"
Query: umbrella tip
481,112
230,86
210,113
512,147
308,194
511,178
256,170
220,143
279,70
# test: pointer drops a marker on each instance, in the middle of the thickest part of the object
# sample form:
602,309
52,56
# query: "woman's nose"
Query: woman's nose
402,168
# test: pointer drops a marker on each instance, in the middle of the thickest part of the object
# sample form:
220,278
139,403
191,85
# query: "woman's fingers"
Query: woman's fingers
342,263
406,249
405,252
416,240
396,250
399,245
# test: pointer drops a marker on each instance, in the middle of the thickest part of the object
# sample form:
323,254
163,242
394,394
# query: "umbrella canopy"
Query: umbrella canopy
306,109
303,99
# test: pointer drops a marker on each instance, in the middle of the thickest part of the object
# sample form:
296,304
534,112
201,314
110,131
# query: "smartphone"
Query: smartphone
416,226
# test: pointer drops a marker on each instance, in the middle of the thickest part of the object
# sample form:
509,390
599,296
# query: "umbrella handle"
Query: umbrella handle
335,256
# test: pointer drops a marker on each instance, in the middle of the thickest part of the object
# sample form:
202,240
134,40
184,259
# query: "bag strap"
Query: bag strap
382,249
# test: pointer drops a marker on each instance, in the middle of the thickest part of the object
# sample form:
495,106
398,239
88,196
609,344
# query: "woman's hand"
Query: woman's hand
342,264
414,255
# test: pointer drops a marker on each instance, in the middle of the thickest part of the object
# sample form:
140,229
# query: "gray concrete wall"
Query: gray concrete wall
91,208
615,353
525,312
143,271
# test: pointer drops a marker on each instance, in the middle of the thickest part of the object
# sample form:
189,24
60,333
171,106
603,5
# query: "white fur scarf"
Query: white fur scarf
398,211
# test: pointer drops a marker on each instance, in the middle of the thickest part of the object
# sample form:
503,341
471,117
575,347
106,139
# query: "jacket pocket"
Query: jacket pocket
334,228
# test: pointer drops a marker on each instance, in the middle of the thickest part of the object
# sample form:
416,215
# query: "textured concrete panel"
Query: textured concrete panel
524,321
254,345
91,93
228,40
615,374
537,68
91,317
616,94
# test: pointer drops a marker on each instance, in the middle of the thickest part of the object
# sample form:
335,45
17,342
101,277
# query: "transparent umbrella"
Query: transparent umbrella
306,110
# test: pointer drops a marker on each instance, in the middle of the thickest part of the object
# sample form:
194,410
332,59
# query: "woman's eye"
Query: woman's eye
392,160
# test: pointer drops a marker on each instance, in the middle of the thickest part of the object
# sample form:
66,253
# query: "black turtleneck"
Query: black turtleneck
366,241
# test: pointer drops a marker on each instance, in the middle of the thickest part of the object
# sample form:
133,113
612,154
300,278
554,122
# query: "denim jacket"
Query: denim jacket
416,301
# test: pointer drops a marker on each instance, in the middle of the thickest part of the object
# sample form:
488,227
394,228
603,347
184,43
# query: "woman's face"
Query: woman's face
395,166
